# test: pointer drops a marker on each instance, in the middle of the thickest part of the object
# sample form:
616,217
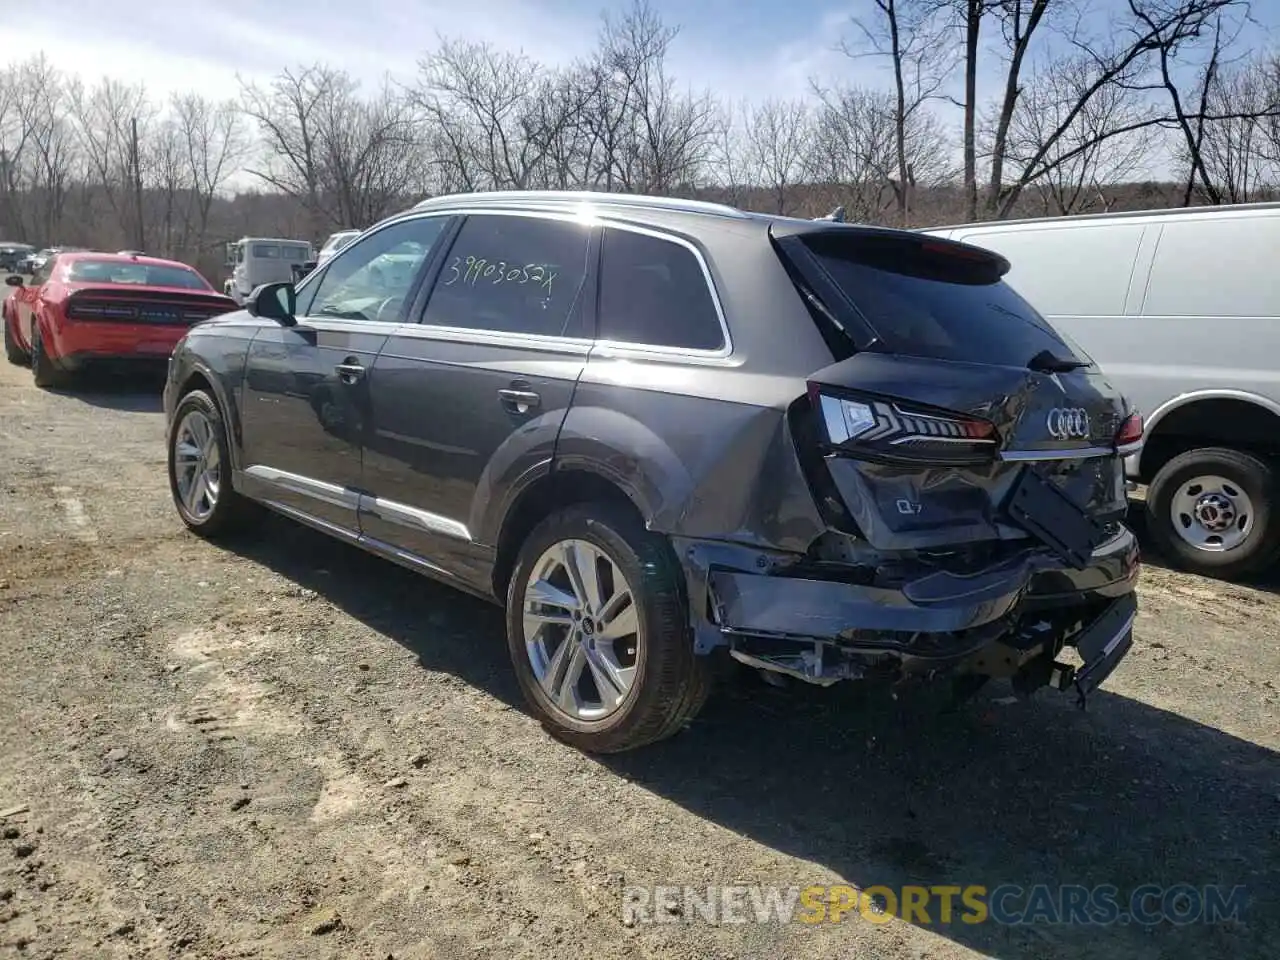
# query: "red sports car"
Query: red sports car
83,308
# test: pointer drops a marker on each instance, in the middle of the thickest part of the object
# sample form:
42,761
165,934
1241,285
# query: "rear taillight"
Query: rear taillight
885,430
1129,436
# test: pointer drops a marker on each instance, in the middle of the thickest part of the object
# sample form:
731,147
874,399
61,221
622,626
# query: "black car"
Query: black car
660,431
12,254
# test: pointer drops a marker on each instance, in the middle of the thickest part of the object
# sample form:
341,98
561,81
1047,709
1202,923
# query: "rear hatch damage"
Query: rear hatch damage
967,461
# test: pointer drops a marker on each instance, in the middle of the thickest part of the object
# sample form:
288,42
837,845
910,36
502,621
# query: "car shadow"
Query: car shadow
877,791
129,392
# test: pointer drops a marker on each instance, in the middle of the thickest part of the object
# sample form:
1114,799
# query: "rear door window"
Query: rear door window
653,292
924,299
509,274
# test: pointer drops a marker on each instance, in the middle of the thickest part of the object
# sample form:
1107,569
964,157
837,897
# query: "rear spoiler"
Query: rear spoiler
883,239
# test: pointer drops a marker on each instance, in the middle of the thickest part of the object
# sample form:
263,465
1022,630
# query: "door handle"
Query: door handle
519,401
350,373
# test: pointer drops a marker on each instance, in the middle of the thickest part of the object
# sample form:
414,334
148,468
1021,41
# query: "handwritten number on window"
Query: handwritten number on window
472,269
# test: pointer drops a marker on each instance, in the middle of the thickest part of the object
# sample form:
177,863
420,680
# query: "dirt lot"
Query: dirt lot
291,749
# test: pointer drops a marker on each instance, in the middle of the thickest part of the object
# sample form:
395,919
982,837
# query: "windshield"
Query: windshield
142,274
927,301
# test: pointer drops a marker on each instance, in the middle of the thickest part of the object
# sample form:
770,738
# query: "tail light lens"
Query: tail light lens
884,430
1129,436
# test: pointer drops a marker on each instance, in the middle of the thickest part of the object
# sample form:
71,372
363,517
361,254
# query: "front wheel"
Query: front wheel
200,469
1211,512
597,628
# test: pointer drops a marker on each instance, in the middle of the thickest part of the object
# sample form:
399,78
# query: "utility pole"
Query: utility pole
137,185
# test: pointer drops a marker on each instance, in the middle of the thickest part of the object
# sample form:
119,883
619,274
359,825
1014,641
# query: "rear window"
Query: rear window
114,271
926,302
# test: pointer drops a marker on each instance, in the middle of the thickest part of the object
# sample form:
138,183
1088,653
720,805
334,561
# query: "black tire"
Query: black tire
1255,477
14,353
671,683
230,511
45,371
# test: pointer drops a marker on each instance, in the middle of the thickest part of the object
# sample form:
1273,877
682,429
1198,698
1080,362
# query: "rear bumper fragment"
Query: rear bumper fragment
936,602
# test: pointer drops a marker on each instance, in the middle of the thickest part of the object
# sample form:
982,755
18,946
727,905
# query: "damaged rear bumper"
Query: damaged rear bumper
999,620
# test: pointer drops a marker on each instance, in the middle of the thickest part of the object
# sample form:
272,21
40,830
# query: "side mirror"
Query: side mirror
274,301
14,280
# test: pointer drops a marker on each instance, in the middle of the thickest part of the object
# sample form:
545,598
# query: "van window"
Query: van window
1082,271
1215,268
266,251
294,254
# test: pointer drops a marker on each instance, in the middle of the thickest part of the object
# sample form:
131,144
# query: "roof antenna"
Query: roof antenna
835,216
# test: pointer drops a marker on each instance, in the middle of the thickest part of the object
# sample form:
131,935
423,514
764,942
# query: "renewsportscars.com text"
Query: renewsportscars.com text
938,905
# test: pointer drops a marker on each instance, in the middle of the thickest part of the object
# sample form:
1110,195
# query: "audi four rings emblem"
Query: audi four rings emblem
1068,423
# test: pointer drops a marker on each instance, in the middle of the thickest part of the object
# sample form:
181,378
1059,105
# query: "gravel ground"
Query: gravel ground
286,748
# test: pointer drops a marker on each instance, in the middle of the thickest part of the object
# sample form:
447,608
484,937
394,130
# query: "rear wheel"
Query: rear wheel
597,628
44,369
14,353
200,469
1212,512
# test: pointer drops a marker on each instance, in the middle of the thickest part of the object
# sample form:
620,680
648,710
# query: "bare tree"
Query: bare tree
1240,104
854,155
496,113
102,116
213,142
287,117
1068,163
167,174
659,138
778,143
912,36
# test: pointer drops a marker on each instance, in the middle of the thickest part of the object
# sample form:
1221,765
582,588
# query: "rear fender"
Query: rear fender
731,475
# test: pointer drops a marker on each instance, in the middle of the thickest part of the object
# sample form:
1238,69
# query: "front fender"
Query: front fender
220,359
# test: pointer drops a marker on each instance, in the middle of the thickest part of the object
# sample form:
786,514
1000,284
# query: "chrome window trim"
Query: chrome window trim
608,348
654,348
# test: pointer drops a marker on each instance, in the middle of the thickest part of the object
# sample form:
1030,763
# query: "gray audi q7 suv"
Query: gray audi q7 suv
660,430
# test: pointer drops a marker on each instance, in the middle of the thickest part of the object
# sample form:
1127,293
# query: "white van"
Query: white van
1181,308
258,260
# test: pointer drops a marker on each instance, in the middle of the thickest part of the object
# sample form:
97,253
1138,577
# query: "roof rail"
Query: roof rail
558,197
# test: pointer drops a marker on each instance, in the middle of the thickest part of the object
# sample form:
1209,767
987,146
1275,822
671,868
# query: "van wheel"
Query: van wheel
598,631
44,369
200,469
1211,512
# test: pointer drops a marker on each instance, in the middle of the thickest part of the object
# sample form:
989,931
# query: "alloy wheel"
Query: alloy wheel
197,465
582,630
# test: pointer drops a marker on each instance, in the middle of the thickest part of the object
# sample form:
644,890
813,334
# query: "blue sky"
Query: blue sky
737,48
751,48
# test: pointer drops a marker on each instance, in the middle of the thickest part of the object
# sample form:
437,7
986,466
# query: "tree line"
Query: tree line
1082,105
